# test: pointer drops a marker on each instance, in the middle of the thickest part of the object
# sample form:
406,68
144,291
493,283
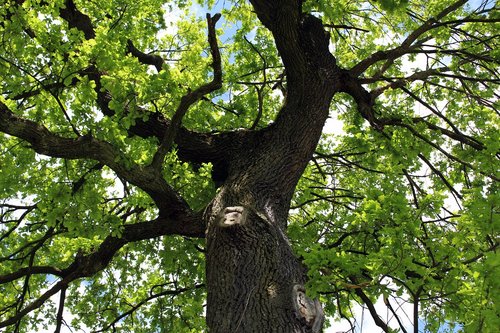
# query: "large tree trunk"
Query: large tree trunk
254,281
255,284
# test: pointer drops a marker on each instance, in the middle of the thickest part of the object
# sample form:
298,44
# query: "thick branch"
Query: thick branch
25,271
60,311
192,227
193,146
147,59
300,39
364,99
76,19
87,147
46,143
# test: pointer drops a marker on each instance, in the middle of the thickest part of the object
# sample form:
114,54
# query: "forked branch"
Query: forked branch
85,265
408,44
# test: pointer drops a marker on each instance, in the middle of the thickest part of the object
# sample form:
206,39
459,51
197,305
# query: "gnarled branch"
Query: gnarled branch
87,147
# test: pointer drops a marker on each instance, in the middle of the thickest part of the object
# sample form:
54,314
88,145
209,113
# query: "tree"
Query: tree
148,171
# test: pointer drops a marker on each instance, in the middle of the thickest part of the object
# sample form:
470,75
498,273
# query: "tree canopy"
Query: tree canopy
121,121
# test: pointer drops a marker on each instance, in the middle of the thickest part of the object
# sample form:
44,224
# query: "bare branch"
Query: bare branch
389,306
192,97
17,221
344,26
440,175
455,135
60,311
400,82
378,321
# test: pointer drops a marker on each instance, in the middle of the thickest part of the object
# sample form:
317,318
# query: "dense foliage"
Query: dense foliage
399,202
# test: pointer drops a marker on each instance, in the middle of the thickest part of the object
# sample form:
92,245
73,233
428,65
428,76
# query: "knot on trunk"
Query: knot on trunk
232,216
308,311
237,216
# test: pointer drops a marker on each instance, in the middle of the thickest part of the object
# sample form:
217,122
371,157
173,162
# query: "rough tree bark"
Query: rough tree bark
254,282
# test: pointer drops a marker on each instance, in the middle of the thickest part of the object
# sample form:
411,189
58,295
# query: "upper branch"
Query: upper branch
407,45
312,74
300,39
192,97
76,19
193,146
45,142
